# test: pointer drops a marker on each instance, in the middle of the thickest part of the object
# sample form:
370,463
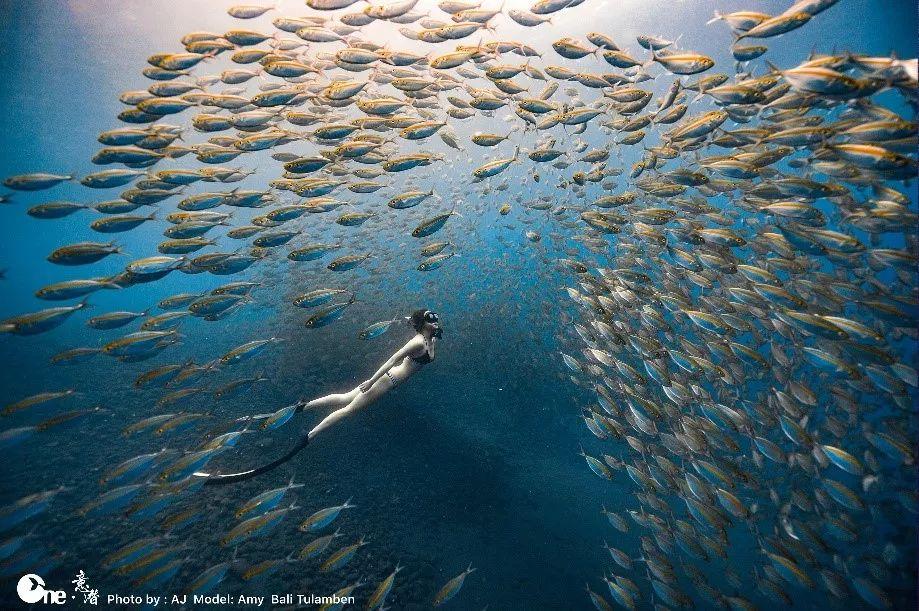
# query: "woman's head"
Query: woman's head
426,322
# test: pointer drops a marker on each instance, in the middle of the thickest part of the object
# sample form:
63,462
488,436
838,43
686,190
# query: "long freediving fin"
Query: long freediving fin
217,479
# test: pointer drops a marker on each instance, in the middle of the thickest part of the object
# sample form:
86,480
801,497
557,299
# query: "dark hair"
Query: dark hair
417,320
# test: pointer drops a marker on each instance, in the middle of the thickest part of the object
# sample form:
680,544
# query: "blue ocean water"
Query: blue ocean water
474,461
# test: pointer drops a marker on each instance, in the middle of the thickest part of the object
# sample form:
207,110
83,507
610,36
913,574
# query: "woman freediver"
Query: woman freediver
417,352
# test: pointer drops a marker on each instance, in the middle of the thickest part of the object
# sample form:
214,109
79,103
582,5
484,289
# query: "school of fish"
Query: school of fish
760,255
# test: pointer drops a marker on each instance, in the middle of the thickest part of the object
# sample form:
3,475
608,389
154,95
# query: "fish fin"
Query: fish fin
718,17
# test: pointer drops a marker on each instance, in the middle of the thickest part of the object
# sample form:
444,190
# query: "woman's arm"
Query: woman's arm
408,349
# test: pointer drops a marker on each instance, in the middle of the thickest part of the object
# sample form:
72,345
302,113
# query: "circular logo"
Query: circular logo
31,588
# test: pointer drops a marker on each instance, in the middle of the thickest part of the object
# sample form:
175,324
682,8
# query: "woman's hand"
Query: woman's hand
365,386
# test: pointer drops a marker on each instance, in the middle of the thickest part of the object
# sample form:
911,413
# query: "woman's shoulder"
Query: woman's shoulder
416,343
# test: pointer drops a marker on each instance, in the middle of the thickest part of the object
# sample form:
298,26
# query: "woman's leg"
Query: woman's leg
334,400
359,401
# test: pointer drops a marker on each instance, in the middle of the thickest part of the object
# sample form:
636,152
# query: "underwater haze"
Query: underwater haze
679,310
